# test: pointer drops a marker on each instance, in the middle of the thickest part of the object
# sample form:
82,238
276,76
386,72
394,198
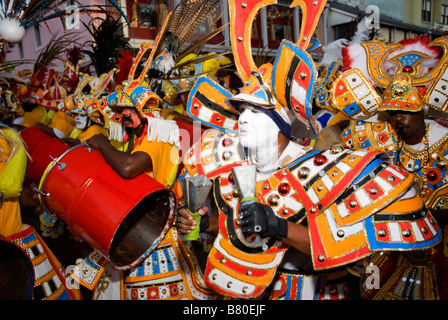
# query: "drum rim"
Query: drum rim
156,243
47,171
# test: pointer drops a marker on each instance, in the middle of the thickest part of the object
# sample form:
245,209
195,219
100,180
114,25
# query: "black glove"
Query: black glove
259,218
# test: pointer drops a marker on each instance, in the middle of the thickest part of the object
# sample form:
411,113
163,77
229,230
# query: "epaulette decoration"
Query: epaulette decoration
215,153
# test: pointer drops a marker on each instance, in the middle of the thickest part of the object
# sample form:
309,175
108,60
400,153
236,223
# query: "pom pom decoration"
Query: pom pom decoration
11,30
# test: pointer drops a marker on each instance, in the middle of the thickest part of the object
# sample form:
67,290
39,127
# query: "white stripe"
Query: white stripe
372,104
408,194
348,230
383,184
395,172
210,167
205,114
342,209
361,91
313,196
163,267
298,93
327,182
209,138
417,233
343,167
47,288
355,80
229,124
248,264
206,152
363,198
359,153
395,233
57,281
433,231
308,289
222,279
42,268
172,278
292,204
227,189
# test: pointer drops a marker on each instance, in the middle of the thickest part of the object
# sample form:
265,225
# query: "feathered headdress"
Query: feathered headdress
413,74
178,51
287,86
18,15
107,44
329,70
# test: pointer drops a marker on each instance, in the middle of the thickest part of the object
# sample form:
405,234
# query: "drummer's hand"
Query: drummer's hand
185,222
97,140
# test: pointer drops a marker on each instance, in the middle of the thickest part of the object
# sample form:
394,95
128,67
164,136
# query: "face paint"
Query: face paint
130,118
256,129
81,121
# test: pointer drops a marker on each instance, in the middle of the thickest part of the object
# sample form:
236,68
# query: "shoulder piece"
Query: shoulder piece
322,178
354,96
405,224
206,105
336,224
214,153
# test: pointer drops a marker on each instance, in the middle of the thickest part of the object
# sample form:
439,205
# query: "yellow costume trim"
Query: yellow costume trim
12,175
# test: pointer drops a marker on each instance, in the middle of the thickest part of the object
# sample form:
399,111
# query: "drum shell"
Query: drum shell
41,148
88,195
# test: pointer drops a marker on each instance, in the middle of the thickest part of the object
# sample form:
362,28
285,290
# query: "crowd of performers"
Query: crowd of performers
314,180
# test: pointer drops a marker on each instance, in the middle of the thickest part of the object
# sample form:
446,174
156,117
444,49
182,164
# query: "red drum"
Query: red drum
16,268
41,148
124,219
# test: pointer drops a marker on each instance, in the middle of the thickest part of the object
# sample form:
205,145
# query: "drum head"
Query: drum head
143,229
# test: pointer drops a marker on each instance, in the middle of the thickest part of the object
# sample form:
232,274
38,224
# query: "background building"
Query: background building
396,20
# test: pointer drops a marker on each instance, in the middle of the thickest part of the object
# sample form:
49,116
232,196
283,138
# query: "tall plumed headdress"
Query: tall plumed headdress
135,93
283,89
178,56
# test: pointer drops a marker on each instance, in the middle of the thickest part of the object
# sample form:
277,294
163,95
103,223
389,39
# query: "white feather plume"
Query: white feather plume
333,52
362,32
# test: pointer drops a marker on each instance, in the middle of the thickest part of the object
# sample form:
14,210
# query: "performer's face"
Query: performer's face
256,128
409,126
130,118
81,121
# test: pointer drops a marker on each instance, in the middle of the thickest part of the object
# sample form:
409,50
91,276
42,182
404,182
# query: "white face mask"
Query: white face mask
81,121
258,131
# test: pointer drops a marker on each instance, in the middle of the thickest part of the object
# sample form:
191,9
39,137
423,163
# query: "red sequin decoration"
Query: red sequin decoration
408,69
227,142
320,160
284,188
231,179
432,175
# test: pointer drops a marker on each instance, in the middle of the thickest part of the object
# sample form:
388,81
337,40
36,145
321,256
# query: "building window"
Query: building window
426,10
21,55
37,39
444,14
280,21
